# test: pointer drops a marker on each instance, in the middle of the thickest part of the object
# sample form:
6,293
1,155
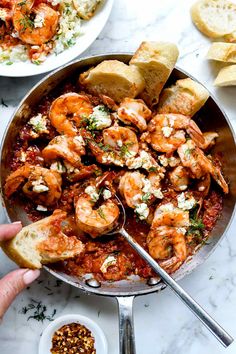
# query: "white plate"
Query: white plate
45,343
91,29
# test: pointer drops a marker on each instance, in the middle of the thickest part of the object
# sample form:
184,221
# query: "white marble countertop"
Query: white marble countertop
162,324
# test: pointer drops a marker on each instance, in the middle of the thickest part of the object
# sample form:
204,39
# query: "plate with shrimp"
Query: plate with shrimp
40,35
76,150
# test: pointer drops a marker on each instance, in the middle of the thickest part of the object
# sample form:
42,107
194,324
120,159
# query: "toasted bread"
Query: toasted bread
214,18
86,8
225,52
114,79
155,60
42,242
226,76
185,97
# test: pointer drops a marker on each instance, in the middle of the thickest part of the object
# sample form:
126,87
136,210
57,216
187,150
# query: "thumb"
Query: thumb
12,284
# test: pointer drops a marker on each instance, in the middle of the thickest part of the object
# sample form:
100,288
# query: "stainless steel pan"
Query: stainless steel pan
211,117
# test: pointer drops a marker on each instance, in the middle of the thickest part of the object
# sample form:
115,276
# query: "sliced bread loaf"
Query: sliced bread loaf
226,76
220,51
155,61
185,97
114,79
42,242
214,18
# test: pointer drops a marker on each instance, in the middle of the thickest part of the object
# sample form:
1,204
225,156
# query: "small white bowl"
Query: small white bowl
45,343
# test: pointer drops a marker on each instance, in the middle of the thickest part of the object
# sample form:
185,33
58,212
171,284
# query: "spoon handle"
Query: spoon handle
223,337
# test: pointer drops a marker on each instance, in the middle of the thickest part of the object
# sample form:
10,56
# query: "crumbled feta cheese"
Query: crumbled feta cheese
144,160
201,188
40,188
41,208
109,261
58,167
23,156
80,139
55,2
183,187
119,143
92,192
109,157
39,123
185,204
137,197
167,131
171,120
38,21
106,194
182,230
100,118
147,187
158,193
166,207
163,160
142,211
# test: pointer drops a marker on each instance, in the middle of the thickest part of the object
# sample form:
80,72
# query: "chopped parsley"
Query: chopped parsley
146,197
101,213
26,22
124,150
38,310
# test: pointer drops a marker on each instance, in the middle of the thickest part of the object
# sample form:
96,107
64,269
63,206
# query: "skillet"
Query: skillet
210,117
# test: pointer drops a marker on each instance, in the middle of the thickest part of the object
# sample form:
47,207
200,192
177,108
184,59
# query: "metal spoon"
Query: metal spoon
223,337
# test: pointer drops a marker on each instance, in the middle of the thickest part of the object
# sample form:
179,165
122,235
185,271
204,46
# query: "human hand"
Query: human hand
14,282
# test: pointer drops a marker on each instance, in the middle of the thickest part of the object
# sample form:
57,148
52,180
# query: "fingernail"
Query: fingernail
30,276
16,222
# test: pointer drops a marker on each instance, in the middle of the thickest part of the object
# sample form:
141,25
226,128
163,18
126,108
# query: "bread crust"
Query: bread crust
226,76
225,52
205,28
114,79
185,97
155,61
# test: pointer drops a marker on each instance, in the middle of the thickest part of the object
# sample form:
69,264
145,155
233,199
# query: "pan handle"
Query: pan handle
126,326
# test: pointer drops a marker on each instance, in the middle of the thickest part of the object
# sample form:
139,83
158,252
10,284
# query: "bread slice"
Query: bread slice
214,18
114,79
185,97
42,242
155,60
226,76
220,51
86,8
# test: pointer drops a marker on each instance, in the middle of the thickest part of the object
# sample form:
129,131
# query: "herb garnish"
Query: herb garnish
101,213
26,22
124,150
39,311
146,196
3,103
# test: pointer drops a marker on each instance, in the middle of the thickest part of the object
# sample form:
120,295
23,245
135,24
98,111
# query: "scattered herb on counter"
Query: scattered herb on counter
73,338
3,103
38,310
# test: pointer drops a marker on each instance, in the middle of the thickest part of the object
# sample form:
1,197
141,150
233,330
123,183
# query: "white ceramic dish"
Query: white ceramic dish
46,338
91,29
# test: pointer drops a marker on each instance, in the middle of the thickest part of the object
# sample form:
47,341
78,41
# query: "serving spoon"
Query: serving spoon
223,337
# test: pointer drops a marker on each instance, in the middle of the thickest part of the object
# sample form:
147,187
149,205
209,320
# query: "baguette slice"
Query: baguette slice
114,79
185,97
86,8
155,60
214,18
225,52
226,76
42,242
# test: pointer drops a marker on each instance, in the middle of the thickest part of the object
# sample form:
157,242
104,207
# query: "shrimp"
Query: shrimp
193,158
119,143
166,240
130,187
66,147
35,24
179,178
95,222
43,185
68,111
209,140
133,111
167,132
136,188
